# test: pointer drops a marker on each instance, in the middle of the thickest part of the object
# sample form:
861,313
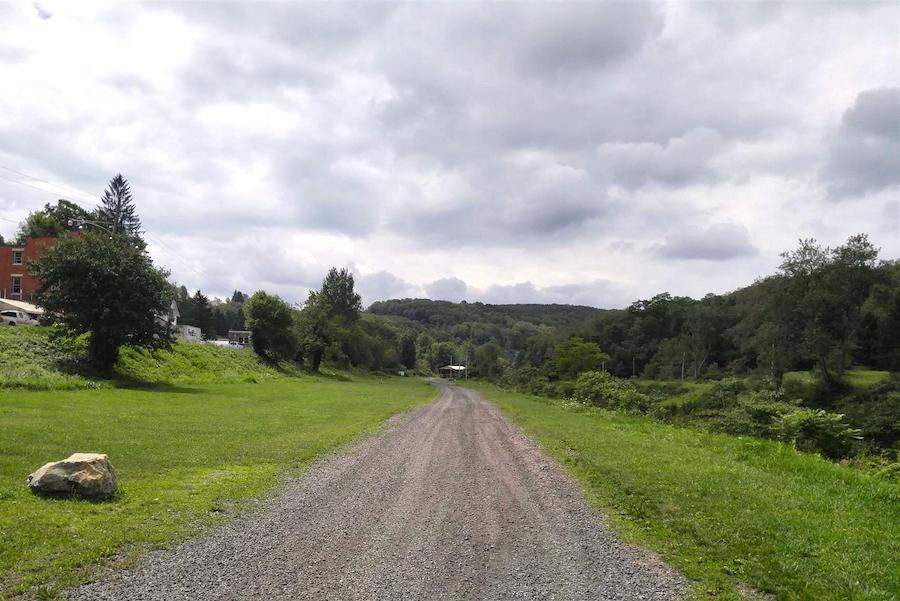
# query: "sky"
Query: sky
552,152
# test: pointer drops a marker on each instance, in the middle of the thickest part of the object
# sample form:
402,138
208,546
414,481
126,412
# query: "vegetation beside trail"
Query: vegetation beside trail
186,456
729,512
30,358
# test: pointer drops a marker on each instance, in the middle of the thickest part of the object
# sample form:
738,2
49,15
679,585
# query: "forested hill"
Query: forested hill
432,313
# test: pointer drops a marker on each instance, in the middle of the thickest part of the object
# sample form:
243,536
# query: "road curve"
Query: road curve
450,502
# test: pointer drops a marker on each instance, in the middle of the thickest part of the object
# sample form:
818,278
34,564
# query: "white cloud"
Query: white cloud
551,152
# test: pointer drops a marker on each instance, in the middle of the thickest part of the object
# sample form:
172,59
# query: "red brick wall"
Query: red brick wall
32,250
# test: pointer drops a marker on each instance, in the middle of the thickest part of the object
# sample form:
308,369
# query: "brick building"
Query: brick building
15,281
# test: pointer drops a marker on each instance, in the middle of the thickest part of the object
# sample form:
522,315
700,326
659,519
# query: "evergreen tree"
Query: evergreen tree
203,317
117,208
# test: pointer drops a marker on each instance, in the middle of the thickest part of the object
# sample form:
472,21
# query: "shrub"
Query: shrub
528,379
603,390
753,413
817,431
876,412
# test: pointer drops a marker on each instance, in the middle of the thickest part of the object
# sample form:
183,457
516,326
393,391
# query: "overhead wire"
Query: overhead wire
56,190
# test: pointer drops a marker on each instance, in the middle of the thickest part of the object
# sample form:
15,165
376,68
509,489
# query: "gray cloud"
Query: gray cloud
549,138
719,242
864,156
449,289
381,285
677,162
597,293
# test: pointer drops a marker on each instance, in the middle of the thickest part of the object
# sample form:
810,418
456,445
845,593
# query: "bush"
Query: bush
753,413
530,380
817,431
876,412
603,390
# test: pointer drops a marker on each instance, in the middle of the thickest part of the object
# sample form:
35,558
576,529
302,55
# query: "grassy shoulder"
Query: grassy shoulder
31,359
186,456
729,512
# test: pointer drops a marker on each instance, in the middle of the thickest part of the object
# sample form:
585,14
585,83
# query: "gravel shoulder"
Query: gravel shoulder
451,501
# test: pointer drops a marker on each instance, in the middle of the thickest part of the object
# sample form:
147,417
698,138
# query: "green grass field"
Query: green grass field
858,378
186,455
731,513
30,359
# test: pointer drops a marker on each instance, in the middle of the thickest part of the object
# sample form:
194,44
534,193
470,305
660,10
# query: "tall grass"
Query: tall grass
730,512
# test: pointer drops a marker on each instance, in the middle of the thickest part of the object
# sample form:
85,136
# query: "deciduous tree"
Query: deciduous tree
107,287
270,321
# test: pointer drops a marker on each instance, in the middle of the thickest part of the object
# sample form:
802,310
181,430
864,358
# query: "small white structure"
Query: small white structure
181,331
33,311
170,318
239,338
452,371
188,333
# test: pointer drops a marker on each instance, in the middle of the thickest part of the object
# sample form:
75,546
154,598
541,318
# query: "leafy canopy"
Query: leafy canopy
107,287
575,356
270,321
51,221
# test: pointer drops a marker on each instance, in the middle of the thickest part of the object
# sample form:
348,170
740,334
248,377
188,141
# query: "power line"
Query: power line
166,248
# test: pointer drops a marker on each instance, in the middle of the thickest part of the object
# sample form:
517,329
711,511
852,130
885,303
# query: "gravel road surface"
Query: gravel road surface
451,501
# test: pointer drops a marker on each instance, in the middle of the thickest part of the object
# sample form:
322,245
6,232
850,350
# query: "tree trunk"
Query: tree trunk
826,373
102,352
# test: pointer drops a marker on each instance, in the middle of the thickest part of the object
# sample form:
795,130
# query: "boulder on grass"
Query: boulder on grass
87,475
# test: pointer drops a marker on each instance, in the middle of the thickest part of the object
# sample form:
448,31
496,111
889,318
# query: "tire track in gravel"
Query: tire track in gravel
452,501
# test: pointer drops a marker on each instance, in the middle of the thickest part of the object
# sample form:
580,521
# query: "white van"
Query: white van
17,318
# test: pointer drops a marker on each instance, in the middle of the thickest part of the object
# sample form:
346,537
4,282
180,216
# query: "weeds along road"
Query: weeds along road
452,501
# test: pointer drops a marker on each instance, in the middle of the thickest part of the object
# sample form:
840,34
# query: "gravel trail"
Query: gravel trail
452,501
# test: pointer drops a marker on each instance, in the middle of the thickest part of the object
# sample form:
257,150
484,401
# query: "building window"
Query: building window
17,284
17,257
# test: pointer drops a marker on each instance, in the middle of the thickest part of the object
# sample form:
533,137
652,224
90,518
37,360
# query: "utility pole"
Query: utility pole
632,366
682,366
466,371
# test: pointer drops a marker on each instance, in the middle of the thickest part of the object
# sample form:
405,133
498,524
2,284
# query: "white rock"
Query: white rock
88,475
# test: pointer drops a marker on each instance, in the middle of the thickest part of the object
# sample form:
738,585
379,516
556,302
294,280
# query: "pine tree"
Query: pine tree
203,317
117,208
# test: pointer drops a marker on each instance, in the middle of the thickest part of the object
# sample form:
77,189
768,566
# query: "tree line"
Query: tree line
825,309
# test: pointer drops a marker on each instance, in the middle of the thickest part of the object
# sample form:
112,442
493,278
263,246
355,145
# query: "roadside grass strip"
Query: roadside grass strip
732,513
186,456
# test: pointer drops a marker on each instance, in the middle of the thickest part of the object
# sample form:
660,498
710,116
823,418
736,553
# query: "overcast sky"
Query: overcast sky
588,153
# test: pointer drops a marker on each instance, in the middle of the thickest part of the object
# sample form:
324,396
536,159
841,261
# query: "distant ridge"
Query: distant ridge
445,313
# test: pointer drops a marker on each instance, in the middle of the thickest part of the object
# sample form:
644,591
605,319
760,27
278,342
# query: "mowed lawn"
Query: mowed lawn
185,457
731,513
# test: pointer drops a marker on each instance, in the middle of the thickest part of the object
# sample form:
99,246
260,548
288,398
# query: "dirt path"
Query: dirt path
451,502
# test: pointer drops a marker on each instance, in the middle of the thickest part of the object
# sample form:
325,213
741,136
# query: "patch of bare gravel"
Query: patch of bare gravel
452,501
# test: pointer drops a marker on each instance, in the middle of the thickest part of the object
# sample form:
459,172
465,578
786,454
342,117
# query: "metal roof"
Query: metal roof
21,306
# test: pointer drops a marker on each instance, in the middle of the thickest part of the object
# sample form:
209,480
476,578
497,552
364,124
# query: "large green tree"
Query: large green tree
52,220
107,287
203,315
575,356
271,324
328,323
828,288
488,360
314,330
337,291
